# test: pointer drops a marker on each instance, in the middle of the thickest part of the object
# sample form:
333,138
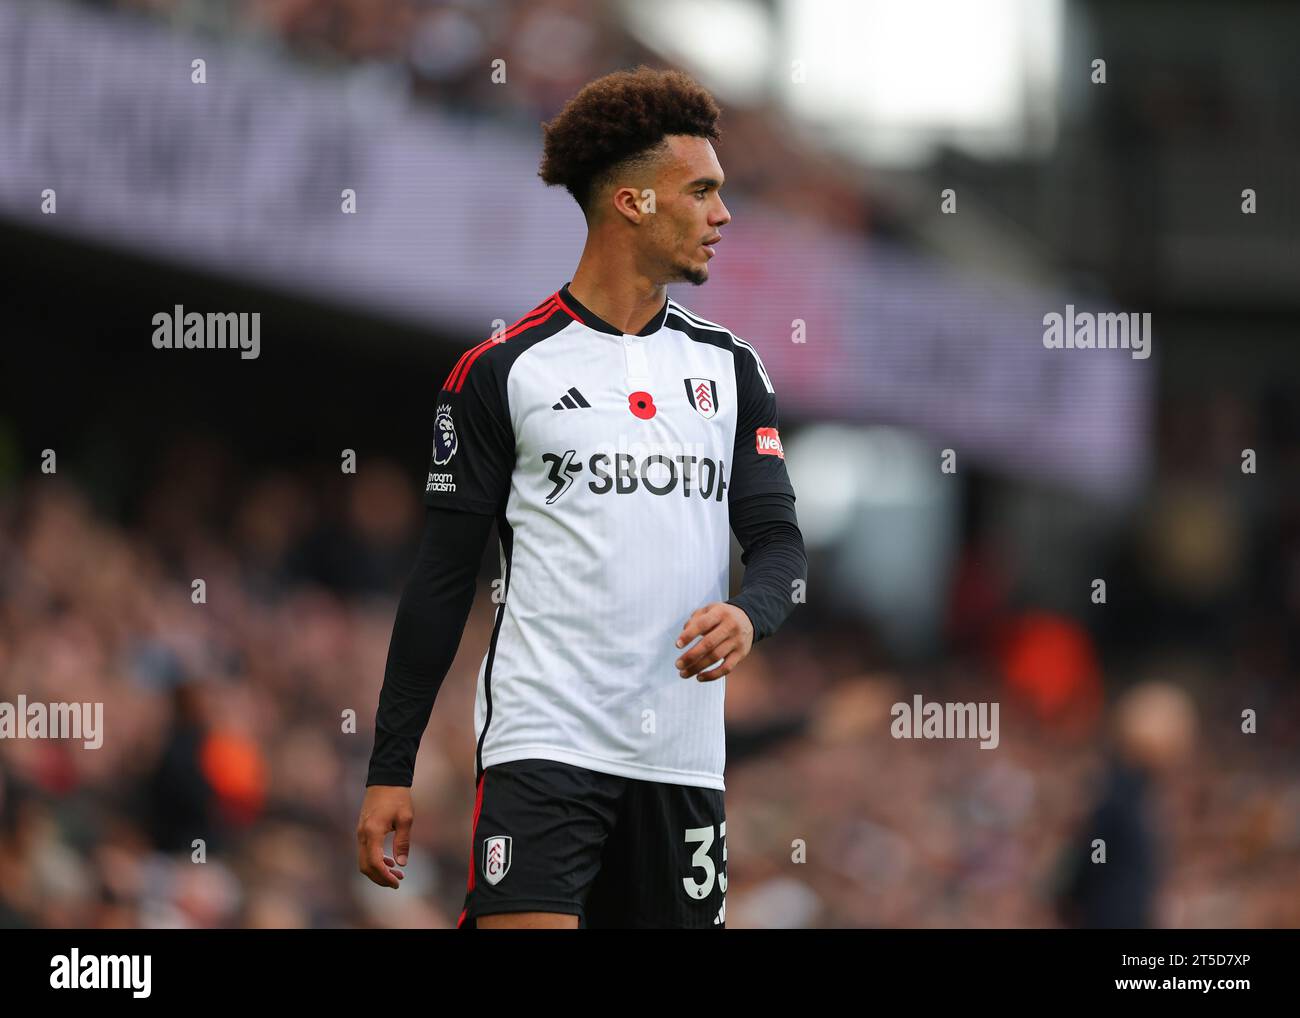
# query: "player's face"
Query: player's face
689,211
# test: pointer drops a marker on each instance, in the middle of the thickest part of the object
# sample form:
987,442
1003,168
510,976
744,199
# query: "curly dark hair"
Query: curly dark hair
617,123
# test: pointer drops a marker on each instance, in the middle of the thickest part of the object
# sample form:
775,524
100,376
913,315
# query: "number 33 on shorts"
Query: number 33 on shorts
701,887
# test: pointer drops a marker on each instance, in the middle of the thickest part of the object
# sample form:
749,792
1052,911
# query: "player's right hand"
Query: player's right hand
385,808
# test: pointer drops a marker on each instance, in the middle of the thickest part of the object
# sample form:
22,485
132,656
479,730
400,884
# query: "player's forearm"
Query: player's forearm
421,651
426,634
774,557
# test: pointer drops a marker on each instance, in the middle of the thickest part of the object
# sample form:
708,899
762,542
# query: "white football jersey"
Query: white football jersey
608,460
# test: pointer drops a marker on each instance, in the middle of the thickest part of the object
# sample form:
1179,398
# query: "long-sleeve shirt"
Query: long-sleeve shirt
616,467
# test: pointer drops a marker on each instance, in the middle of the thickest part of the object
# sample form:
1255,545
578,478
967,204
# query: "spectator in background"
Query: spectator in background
179,794
1153,732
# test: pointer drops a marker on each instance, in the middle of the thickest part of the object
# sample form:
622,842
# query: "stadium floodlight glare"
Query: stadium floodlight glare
892,79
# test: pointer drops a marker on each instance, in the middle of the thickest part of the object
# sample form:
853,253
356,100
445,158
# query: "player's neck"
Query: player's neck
625,299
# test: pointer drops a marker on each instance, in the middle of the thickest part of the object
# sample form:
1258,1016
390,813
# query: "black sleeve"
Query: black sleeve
758,460
473,440
772,550
430,620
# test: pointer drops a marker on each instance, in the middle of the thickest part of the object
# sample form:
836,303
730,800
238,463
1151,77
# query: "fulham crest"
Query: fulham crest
496,858
703,394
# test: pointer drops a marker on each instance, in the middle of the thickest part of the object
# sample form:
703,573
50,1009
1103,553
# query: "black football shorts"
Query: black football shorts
616,852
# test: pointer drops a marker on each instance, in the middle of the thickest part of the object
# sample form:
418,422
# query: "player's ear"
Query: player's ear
633,205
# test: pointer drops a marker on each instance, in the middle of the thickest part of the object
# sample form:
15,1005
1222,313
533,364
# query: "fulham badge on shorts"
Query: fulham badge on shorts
496,858
703,394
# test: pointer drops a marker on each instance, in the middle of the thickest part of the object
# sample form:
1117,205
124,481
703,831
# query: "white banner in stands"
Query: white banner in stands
246,175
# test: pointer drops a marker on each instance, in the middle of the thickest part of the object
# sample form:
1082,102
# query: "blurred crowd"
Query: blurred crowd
238,725
235,626
445,53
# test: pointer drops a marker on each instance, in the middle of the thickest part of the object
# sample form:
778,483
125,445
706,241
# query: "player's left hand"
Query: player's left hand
726,635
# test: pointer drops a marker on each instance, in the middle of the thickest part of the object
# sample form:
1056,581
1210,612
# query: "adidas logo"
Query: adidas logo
571,400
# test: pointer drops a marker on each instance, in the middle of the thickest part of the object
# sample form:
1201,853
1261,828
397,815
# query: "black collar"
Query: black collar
594,321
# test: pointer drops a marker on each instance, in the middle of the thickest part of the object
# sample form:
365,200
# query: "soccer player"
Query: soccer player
615,437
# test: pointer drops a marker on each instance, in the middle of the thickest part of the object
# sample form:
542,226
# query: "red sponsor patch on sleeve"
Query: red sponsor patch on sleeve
768,442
